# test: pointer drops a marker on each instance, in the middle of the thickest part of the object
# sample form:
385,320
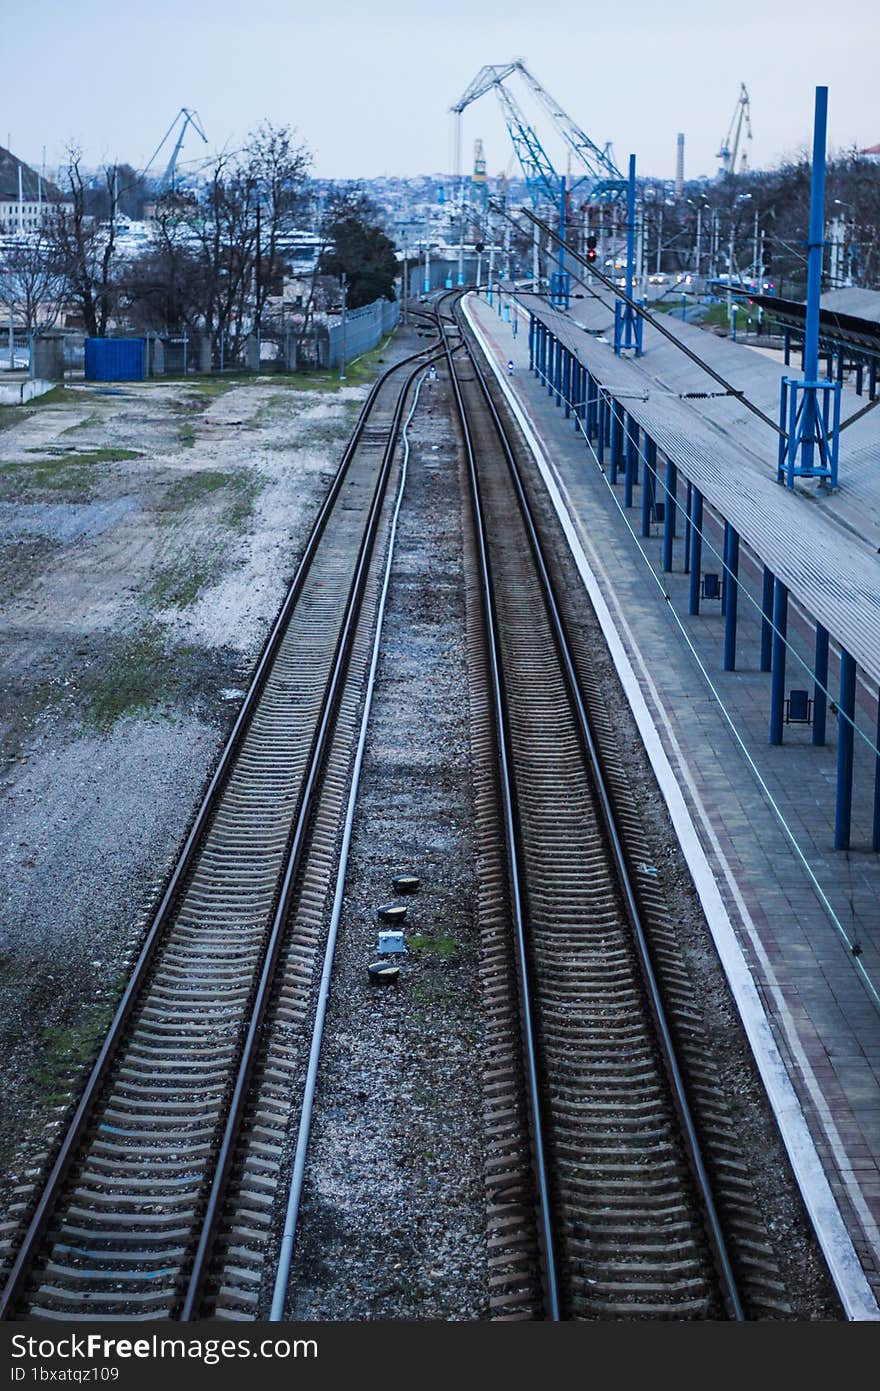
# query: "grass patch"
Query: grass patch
242,490
137,676
69,1049
67,477
442,946
179,585
58,396
186,434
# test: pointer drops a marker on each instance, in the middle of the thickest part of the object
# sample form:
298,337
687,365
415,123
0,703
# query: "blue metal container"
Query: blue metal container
115,359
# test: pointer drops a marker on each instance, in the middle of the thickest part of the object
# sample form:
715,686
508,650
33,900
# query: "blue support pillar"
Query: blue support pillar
600,427
592,406
616,440
820,685
687,526
731,579
567,393
696,549
627,323
845,731
531,342
725,552
777,679
875,833
669,508
809,410
766,618
648,484
632,462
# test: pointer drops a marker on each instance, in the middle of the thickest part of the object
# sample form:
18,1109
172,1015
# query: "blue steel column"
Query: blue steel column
696,549
875,834
687,526
616,440
777,680
820,685
531,342
816,246
600,427
669,508
632,462
845,721
567,393
725,554
731,578
766,618
648,484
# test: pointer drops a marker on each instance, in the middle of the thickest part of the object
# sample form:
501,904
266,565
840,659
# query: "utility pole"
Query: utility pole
342,361
730,276
699,241
461,245
507,251
405,285
536,256
659,241
755,249
259,280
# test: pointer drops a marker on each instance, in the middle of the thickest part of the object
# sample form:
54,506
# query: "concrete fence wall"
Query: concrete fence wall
364,329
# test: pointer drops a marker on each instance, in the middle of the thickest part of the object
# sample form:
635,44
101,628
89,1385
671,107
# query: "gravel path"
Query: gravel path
393,1217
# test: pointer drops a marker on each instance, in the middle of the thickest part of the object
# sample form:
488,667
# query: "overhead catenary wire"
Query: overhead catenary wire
850,941
649,318
705,538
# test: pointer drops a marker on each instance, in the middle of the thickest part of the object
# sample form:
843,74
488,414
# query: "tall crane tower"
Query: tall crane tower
186,118
543,182
730,145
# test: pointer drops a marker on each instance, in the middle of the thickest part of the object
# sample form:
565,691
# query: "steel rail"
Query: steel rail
514,857
678,1088
297,1177
147,956
295,853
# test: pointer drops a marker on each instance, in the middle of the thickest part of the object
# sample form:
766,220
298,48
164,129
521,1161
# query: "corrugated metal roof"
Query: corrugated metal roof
825,558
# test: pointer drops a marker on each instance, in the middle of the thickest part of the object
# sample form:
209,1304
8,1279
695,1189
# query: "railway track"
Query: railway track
162,1198
616,1186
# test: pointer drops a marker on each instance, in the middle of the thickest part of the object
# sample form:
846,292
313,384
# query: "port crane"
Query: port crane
730,145
600,172
186,118
601,180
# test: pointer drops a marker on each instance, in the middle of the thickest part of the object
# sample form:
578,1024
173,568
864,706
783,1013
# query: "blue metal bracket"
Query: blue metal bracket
560,289
809,413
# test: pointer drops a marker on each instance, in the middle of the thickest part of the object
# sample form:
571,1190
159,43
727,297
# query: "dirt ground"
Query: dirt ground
147,535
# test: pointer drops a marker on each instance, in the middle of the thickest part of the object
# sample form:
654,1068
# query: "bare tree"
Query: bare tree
86,246
32,280
220,249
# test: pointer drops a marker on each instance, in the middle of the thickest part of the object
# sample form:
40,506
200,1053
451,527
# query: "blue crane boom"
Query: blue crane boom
190,118
605,179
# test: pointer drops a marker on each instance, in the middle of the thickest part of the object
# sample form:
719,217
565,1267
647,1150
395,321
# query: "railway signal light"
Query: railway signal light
591,247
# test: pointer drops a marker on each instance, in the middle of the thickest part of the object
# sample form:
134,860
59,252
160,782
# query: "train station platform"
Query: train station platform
795,921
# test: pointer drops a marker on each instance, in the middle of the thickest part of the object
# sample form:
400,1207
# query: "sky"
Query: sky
368,86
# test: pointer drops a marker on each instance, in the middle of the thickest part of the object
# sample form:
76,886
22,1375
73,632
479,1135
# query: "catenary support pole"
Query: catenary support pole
820,685
777,679
845,731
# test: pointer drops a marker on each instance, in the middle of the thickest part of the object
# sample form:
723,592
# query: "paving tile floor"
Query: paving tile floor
824,1016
